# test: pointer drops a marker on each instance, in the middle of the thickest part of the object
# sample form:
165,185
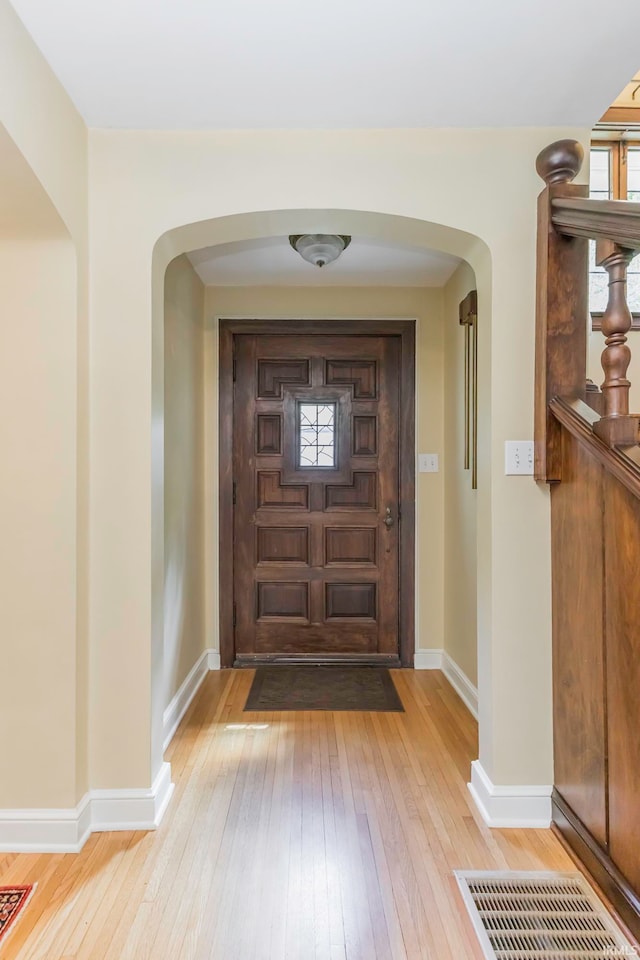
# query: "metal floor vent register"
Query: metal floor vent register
530,916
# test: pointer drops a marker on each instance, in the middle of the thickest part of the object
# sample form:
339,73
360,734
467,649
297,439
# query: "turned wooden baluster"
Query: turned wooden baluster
616,426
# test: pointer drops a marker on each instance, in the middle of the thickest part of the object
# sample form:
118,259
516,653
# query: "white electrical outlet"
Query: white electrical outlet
428,463
518,457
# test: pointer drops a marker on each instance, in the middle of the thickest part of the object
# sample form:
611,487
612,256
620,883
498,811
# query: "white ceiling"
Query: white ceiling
186,64
273,262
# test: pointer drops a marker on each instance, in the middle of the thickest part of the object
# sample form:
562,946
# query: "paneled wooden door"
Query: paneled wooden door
317,500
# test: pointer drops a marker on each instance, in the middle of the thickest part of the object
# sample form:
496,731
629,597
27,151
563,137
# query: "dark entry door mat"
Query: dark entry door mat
295,687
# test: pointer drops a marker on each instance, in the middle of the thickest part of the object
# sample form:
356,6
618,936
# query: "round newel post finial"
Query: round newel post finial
560,162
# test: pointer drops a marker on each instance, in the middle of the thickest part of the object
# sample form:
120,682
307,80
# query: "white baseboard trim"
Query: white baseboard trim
132,809
510,806
173,714
460,682
428,659
440,660
67,830
63,830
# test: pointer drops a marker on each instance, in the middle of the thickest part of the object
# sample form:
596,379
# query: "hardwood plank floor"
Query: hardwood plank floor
294,836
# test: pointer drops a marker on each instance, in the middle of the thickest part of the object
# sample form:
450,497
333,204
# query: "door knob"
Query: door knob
388,520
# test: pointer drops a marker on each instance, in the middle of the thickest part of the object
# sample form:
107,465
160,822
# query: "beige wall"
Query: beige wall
44,430
241,185
460,541
154,196
422,304
37,514
184,579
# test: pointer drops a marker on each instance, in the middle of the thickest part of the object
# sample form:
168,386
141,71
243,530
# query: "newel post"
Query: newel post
616,426
561,305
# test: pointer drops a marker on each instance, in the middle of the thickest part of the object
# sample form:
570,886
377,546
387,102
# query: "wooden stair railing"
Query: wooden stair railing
588,441
567,219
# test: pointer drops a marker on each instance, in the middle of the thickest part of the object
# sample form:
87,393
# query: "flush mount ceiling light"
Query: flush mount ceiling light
319,248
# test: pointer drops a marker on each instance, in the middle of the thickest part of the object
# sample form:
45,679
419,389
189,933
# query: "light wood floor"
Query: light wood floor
310,836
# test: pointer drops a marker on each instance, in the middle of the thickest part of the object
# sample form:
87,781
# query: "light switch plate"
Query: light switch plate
518,457
428,463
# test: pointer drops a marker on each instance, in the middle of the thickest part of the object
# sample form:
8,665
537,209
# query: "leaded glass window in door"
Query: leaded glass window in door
317,434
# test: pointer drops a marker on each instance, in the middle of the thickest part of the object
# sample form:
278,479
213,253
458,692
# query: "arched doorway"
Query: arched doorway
247,226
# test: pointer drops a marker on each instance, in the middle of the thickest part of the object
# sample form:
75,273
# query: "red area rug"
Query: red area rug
13,900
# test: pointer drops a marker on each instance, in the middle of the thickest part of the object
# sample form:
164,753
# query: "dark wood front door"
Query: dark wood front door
317,499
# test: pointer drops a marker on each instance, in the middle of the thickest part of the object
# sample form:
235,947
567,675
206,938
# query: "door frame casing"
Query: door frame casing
405,331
